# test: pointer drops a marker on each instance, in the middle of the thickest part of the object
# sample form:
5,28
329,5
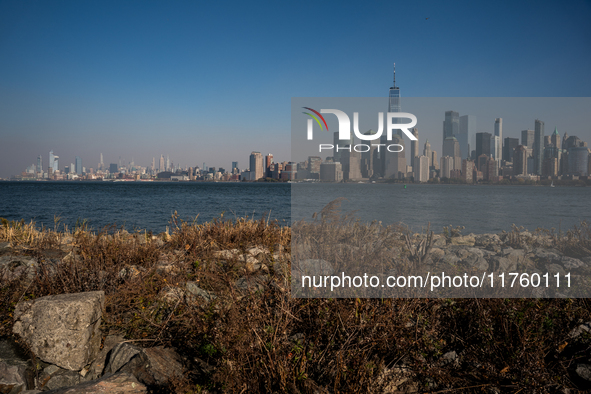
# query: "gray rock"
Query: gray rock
436,253
12,267
468,240
547,255
450,358
257,250
485,240
555,268
13,378
439,241
62,329
583,329
120,355
515,256
197,291
227,254
251,284
571,263
503,264
12,354
584,371
315,267
164,364
150,366
98,365
120,383
450,258
62,378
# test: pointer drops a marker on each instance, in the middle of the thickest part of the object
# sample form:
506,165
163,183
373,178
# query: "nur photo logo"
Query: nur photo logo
344,132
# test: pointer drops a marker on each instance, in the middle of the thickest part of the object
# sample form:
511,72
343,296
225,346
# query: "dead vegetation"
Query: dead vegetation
258,338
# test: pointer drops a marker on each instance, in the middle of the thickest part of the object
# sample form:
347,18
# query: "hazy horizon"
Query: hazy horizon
213,82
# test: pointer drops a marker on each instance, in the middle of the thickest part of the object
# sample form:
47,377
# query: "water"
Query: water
141,205
480,208
149,205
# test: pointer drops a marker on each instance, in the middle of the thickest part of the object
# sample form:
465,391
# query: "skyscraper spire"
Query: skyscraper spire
394,76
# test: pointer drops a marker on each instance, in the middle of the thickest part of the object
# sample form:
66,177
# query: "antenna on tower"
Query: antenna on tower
394,76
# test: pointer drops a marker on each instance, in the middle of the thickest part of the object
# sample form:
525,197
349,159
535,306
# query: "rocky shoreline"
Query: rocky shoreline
77,343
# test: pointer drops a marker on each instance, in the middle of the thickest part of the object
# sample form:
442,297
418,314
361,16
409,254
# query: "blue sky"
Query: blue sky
211,82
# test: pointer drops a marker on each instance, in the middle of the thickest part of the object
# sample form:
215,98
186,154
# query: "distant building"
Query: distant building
466,135
527,138
520,160
78,165
256,166
434,161
53,162
497,141
451,148
483,145
538,146
351,165
451,124
414,145
447,164
421,169
427,152
578,161
331,172
509,147
468,171
113,168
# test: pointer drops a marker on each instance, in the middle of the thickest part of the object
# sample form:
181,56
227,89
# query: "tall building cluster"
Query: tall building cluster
466,154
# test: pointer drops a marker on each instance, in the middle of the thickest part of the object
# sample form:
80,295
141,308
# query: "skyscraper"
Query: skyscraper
256,166
39,164
483,144
394,99
53,162
527,138
451,124
268,165
78,165
466,134
497,142
394,163
520,160
161,164
509,147
451,148
427,152
414,145
538,146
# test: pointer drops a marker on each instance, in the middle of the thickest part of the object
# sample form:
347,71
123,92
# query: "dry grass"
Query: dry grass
268,341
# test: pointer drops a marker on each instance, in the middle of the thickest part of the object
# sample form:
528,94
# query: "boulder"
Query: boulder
468,240
119,383
251,284
195,291
12,267
164,363
571,263
62,329
13,378
98,365
151,366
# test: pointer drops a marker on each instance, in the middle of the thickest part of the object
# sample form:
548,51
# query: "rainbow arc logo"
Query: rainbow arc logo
315,118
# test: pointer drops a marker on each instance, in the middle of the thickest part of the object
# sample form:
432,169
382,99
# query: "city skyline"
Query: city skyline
137,79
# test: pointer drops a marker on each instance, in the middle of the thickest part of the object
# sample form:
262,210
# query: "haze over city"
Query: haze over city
209,83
